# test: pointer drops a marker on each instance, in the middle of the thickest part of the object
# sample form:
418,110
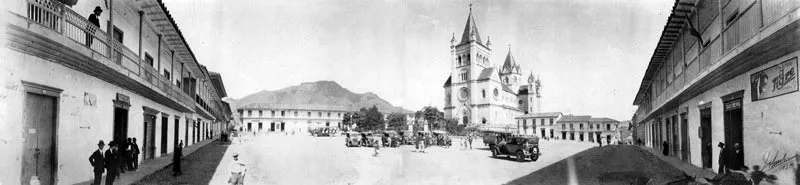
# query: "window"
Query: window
260,113
295,113
580,126
283,113
329,114
563,127
483,120
591,126
571,127
608,126
339,114
551,121
166,74
148,59
524,124
309,114
319,114
249,113
483,93
273,113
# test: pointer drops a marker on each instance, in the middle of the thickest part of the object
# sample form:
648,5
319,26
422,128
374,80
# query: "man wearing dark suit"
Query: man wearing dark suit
135,154
112,163
97,161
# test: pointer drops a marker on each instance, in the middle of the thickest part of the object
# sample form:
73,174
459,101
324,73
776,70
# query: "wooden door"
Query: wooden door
705,137
39,149
149,136
164,129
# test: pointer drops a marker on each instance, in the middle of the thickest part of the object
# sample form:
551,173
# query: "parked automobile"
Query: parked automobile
441,138
406,138
491,138
390,138
353,139
522,147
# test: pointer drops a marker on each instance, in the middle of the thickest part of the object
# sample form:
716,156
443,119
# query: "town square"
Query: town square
232,92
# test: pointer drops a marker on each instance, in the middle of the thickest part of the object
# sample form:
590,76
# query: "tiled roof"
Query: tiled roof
603,120
541,115
486,73
294,107
571,118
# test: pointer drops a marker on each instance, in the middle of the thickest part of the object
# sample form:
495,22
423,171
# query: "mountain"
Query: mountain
318,93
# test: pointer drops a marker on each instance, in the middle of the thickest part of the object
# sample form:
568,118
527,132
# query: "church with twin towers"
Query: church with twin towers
480,93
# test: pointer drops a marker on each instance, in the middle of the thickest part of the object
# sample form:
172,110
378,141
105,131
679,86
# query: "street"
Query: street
274,159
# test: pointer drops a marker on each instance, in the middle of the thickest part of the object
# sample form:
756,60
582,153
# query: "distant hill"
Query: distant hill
319,93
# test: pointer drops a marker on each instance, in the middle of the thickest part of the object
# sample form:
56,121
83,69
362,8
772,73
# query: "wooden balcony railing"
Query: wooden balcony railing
66,22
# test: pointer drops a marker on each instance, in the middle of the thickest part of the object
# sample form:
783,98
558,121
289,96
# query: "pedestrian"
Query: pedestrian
377,148
737,157
238,171
665,148
98,163
122,147
135,154
723,153
128,163
111,162
469,141
94,20
176,159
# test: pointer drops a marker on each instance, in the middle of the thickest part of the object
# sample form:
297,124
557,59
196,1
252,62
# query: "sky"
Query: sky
589,54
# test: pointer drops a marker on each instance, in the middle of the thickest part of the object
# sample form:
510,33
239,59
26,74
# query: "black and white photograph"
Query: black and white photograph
399,92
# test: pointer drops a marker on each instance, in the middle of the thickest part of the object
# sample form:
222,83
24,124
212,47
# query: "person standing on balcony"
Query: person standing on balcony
93,19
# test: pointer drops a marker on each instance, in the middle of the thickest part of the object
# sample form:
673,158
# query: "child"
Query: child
377,148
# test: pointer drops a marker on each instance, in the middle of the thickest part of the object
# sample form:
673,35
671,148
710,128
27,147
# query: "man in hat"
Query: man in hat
111,163
135,154
176,159
723,153
238,171
93,18
97,162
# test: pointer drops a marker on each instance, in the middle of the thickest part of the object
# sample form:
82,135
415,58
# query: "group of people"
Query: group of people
730,158
467,142
121,156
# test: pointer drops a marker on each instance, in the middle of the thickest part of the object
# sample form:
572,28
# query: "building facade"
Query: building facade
70,84
539,124
587,129
725,72
297,118
479,93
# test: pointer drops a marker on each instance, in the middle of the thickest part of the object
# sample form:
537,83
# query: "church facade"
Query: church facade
479,93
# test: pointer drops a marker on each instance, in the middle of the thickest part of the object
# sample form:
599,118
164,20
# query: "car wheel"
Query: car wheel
520,156
534,158
494,153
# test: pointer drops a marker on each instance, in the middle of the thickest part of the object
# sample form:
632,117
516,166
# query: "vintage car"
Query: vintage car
491,138
522,147
441,138
390,139
406,138
353,139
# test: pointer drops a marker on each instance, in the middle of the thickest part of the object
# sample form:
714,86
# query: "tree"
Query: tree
432,115
368,119
452,126
396,121
347,120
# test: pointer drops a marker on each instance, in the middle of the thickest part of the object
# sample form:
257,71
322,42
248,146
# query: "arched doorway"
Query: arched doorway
465,120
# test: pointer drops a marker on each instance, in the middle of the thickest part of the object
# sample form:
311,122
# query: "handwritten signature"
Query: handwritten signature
777,161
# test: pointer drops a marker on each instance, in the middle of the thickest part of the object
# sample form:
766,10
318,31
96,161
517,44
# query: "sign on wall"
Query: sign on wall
774,81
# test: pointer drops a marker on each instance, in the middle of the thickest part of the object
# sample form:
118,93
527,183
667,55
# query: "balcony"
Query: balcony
752,35
52,31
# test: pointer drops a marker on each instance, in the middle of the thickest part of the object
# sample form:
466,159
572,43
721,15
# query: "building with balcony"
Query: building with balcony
587,129
724,71
539,124
70,83
298,118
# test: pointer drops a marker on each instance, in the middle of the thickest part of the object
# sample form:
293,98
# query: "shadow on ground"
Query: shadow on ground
198,167
615,164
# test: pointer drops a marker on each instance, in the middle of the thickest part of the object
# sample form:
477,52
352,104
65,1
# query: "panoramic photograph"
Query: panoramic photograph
399,92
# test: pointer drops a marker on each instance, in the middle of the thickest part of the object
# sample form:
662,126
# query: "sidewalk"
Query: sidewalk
150,166
689,169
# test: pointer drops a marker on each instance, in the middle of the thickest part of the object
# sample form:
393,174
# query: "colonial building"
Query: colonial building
539,124
479,93
587,129
725,72
69,84
298,118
